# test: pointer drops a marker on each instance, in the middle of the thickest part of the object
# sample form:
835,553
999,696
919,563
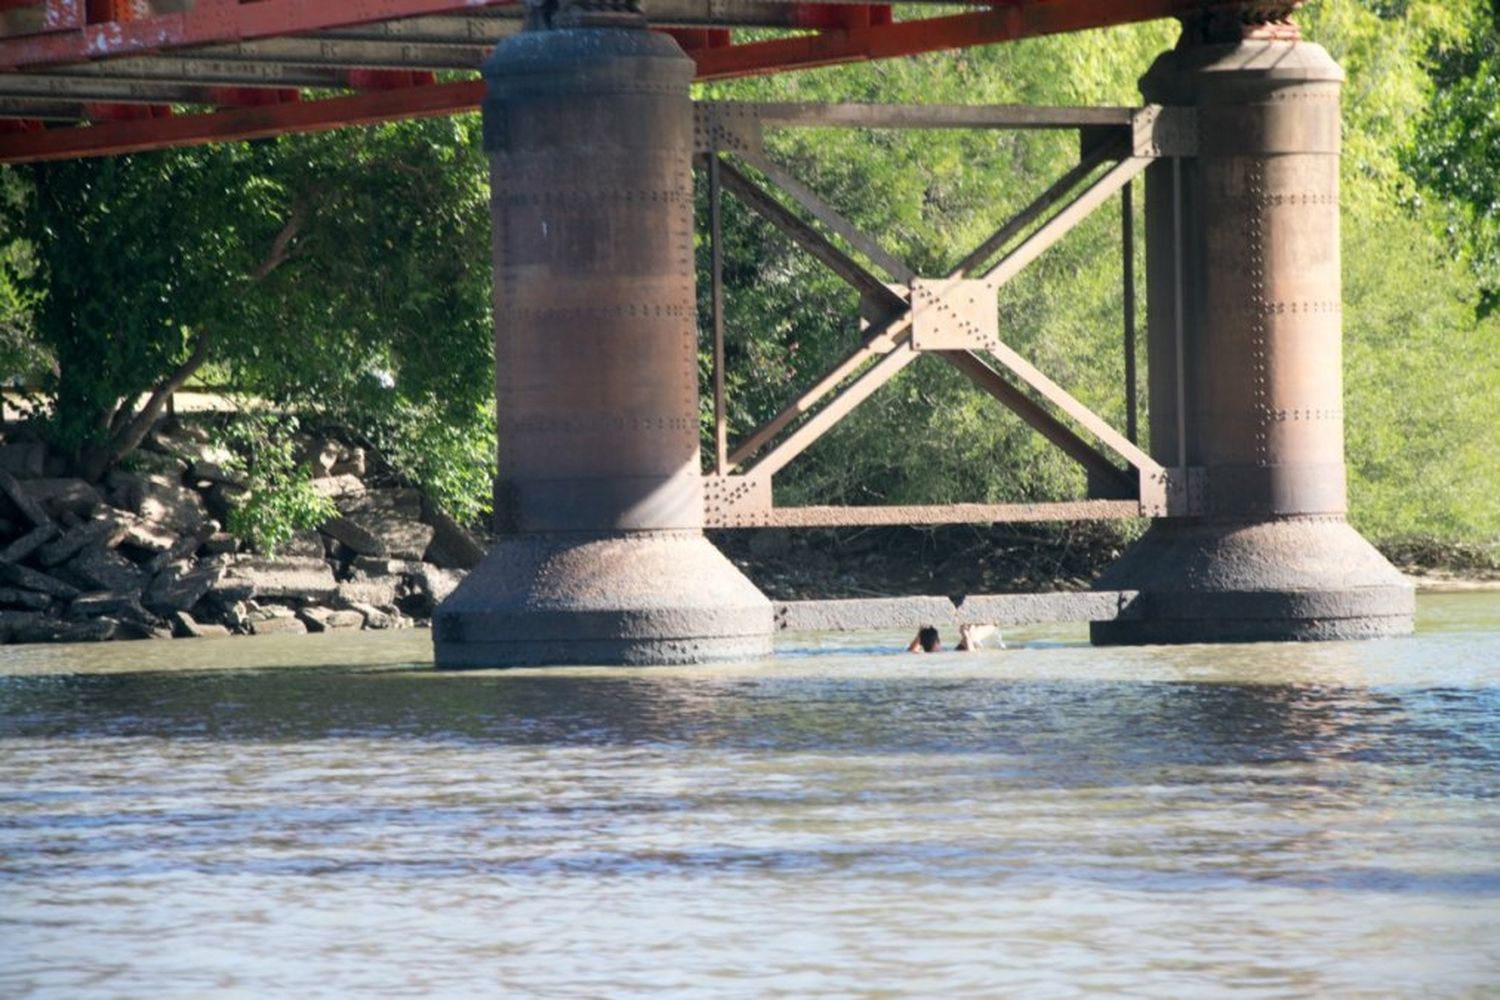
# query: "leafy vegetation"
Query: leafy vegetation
345,277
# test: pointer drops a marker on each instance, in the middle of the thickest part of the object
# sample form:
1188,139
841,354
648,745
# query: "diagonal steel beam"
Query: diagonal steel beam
840,406
881,340
1054,193
1069,216
830,217
1043,422
805,236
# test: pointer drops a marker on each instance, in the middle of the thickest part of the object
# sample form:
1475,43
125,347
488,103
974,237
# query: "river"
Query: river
332,818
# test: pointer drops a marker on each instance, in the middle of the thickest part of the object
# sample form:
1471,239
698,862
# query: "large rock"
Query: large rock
12,622
340,489
215,472
308,579
431,585
146,536
320,619
60,496
30,579
106,569
22,501
303,545
44,629
377,618
182,584
366,589
186,626
189,444
22,548
335,458
358,538
25,461
451,547
174,507
288,624
401,536
152,463
396,502
108,603
104,532
30,600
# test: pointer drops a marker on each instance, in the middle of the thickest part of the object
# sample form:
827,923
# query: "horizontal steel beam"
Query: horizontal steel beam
37,86
934,116
957,513
168,69
337,52
242,123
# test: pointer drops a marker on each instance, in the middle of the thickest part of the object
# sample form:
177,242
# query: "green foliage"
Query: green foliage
1455,153
280,500
343,274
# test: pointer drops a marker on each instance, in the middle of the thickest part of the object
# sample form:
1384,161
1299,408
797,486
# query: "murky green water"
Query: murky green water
843,820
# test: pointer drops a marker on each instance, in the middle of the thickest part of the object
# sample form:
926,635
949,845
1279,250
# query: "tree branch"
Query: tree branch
281,246
129,436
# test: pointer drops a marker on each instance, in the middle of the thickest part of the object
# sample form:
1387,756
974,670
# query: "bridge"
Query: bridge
594,140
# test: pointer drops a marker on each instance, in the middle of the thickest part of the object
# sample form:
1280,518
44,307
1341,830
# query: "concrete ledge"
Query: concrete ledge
871,614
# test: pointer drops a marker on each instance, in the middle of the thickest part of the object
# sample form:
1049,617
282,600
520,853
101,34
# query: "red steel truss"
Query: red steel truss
95,77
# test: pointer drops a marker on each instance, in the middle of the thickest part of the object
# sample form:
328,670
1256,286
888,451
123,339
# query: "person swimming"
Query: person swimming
970,637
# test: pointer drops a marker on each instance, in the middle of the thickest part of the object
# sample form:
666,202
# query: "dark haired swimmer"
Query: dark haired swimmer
927,641
970,637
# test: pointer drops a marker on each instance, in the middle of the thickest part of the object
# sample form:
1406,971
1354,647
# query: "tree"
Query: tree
347,272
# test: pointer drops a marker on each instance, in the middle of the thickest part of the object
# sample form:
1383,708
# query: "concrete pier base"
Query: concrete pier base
629,599
1285,580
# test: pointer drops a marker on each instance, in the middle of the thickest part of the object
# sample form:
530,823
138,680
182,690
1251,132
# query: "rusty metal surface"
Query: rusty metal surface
599,501
595,317
951,316
1245,382
744,502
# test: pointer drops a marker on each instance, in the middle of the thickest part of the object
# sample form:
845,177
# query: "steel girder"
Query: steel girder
213,70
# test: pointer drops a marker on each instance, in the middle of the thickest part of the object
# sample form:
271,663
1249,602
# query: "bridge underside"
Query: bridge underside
594,141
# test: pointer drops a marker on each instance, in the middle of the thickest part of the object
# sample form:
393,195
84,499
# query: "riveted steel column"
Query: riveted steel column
1245,306
599,501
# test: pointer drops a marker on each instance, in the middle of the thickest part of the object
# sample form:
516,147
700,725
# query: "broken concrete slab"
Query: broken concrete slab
340,488
60,496
174,507
365,589
186,626
29,600
106,569
397,501
24,461
310,579
320,619
111,603
103,532
30,579
359,539
451,547
47,629
182,584
29,509
215,472
376,618
22,548
278,626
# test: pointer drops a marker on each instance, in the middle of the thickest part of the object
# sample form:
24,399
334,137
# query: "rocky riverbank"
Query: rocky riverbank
144,554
